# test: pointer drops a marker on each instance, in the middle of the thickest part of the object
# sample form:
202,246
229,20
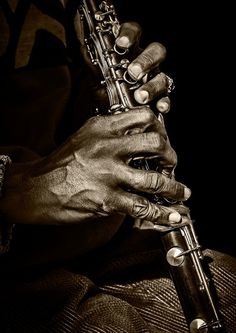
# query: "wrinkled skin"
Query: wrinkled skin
89,176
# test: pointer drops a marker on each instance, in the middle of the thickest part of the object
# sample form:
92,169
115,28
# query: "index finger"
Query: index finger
129,35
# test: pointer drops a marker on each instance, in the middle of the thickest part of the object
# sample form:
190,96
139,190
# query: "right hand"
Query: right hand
89,175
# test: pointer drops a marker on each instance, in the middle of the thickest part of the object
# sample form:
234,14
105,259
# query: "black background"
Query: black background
200,43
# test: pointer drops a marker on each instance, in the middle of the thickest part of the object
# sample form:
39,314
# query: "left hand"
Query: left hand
146,65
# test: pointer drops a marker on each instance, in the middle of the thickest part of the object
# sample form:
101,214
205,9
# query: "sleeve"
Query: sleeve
6,230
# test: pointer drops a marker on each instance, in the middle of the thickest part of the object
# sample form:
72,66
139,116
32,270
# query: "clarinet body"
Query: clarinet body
183,253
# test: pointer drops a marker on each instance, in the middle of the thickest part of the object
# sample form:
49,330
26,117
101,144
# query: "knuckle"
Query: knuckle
94,124
157,183
149,115
96,148
143,209
100,123
103,149
152,181
152,87
169,159
162,184
93,121
157,141
157,85
170,188
147,59
108,205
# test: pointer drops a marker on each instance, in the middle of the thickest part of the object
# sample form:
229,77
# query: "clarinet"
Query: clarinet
184,257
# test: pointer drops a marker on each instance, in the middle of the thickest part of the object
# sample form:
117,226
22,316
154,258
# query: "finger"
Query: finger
181,218
129,35
141,144
162,160
168,160
146,61
154,183
157,86
182,209
163,104
137,120
177,218
141,208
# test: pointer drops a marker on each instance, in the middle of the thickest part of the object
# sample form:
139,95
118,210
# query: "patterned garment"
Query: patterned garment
125,287
35,60
130,293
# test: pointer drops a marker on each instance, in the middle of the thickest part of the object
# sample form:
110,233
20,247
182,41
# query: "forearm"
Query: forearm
37,195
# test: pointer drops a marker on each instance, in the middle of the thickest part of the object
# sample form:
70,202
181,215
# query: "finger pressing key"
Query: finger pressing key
154,183
141,208
157,86
129,35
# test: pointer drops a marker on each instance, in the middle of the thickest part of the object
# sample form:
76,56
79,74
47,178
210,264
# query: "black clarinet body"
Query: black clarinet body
184,257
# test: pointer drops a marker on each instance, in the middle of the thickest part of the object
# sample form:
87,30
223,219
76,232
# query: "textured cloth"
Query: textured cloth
131,293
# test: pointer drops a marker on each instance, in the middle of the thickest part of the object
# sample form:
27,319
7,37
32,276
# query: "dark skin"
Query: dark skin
89,176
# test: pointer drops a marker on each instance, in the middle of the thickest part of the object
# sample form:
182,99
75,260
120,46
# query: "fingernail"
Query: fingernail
175,217
123,42
163,107
135,71
141,96
187,193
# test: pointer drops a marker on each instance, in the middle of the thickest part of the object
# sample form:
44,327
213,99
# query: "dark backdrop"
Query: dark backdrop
200,45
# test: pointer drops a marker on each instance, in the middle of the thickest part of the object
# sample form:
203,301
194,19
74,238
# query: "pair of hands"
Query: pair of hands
89,176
